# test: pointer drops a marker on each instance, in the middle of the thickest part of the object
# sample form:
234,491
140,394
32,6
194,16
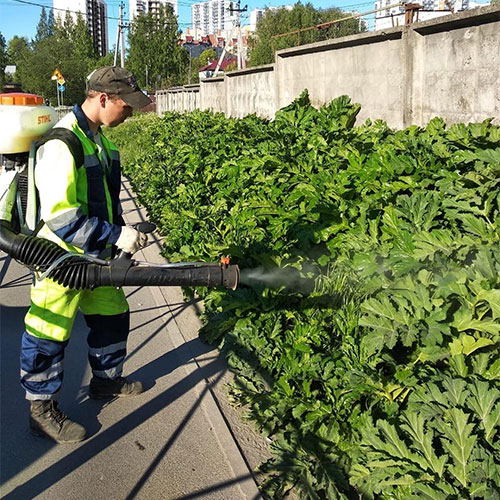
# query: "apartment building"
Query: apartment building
137,7
255,16
94,13
212,16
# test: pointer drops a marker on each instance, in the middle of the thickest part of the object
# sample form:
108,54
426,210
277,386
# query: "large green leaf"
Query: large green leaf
423,441
463,321
486,404
407,336
458,441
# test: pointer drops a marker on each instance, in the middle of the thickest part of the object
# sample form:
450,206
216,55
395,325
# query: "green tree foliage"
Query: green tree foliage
193,75
45,27
207,56
193,71
281,20
3,59
66,45
155,57
106,60
231,67
18,50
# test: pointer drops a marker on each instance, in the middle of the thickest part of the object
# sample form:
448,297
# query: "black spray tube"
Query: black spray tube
77,272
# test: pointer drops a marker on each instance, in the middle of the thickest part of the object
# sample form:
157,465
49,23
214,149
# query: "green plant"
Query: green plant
372,360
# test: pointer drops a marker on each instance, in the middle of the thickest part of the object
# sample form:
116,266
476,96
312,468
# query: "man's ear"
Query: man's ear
102,100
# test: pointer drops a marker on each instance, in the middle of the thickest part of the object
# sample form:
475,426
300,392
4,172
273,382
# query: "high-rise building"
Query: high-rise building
255,16
137,7
94,13
395,16
212,16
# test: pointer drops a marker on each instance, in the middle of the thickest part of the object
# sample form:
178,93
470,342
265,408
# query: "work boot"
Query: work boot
47,420
101,388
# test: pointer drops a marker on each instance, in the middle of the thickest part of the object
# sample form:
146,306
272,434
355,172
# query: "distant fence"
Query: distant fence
62,111
180,99
448,67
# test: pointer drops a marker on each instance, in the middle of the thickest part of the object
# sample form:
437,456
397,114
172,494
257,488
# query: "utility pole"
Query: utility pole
119,37
238,10
237,26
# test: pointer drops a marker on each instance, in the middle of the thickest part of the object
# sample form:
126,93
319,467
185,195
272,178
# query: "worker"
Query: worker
81,212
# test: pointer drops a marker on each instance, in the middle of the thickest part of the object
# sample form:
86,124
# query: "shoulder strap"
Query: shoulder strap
33,222
69,138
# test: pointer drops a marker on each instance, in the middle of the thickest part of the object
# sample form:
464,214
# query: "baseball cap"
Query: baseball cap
119,81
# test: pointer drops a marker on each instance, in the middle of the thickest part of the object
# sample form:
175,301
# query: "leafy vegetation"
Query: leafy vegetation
3,59
155,56
59,43
373,361
283,20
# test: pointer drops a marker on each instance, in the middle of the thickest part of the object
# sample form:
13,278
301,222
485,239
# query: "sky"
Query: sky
18,17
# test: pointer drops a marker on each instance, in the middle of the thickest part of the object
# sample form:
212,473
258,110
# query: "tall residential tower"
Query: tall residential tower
212,16
94,13
137,7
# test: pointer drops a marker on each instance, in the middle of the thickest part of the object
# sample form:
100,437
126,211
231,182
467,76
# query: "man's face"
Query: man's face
115,112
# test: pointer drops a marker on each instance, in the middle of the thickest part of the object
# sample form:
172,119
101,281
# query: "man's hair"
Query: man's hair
91,94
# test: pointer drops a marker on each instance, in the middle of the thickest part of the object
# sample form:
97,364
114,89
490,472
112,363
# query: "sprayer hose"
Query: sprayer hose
79,272
38,254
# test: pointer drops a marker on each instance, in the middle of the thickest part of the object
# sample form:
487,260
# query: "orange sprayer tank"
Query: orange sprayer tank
23,119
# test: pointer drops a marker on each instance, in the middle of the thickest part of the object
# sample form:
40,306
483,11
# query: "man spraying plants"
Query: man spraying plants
78,227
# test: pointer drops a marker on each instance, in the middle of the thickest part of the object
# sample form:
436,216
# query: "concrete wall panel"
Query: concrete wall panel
251,91
213,94
447,67
461,74
179,99
370,74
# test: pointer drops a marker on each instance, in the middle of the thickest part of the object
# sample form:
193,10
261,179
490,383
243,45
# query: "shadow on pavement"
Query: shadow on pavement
19,449
89,449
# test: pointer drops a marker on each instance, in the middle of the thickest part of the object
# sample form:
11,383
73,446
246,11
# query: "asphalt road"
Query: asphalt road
171,442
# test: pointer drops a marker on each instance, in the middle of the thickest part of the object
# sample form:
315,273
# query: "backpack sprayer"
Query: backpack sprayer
23,120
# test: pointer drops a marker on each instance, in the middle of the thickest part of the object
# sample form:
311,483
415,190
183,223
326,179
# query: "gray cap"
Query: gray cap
119,81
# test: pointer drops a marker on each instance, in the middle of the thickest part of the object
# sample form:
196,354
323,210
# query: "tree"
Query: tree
233,66
106,60
18,50
280,21
155,57
61,44
3,60
45,27
207,56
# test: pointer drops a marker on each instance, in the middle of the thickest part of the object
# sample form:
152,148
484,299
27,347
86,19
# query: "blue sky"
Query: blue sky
17,18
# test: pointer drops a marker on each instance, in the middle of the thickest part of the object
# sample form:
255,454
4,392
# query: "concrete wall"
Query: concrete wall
448,67
180,99
251,91
366,67
240,93
213,95
456,71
